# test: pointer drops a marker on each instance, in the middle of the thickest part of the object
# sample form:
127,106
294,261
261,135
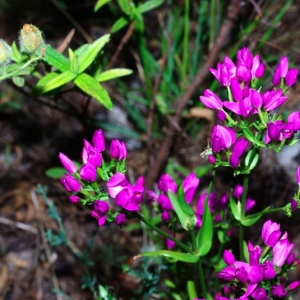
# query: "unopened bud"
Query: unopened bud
31,38
5,52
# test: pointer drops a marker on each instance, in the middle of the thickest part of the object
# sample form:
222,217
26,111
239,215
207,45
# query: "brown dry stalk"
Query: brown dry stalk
182,101
124,40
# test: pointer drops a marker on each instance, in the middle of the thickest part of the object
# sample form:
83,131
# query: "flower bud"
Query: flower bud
88,172
5,52
31,38
67,163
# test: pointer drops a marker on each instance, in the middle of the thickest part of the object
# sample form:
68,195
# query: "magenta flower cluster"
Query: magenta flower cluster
165,183
81,182
246,100
261,277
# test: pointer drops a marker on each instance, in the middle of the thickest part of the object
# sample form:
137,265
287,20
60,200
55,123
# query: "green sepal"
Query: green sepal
176,256
293,142
91,87
55,173
119,24
99,4
235,208
38,88
56,82
111,74
251,219
205,235
125,6
90,54
149,5
18,81
184,212
250,165
56,59
250,137
73,61
16,54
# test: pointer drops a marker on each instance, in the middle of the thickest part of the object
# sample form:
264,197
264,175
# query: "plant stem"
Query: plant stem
201,278
178,243
241,234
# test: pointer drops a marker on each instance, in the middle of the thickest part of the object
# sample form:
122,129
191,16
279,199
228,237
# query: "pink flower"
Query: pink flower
98,140
91,155
166,183
271,233
70,183
88,172
222,138
116,183
67,163
118,150
190,184
281,251
211,100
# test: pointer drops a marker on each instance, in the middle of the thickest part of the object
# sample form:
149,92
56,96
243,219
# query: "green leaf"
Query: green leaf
235,209
73,61
56,59
90,54
177,256
82,49
249,136
125,6
139,21
99,4
205,234
250,220
254,156
119,24
55,173
16,54
111,74
184,212
91,87
18,81
149,5
58,81
37,90
126,132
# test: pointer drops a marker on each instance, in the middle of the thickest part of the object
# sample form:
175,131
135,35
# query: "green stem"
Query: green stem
201,278
241,233
178,243
185,42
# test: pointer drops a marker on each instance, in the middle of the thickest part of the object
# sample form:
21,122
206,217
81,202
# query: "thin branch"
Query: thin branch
182,101
121,45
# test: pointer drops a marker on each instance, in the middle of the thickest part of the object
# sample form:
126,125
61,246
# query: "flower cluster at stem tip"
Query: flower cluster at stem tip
247,117
262,276
82,183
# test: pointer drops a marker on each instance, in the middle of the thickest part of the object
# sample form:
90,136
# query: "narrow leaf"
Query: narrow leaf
235,209
58,81
38,88
55,173
99,4
90,54
177,256
119,24
125,6
90,86
73,61
184,212
149,5
16,54
205,234
56,59
111,74
250,220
